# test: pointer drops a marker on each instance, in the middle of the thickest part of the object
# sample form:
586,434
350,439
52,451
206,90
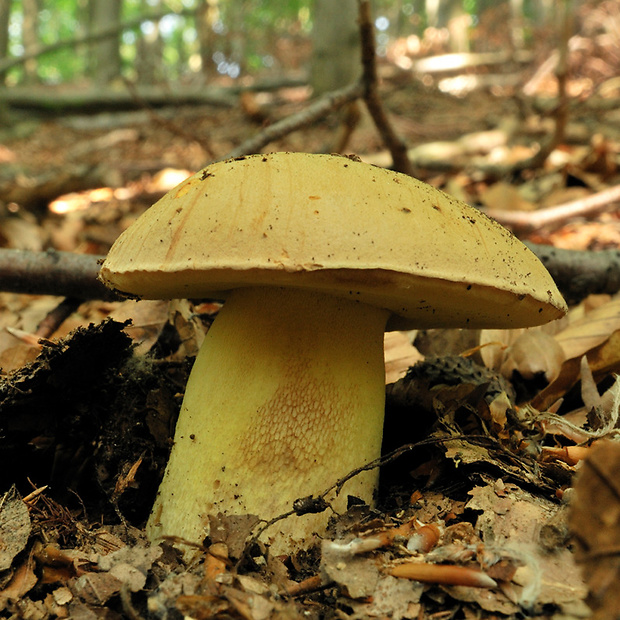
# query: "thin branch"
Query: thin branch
524,222
576,273
315,111
560,113
52,273
581,273
395,144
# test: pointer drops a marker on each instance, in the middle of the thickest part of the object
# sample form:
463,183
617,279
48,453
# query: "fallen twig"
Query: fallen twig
581,273
577,273
320,108
524,222
394,143
52,273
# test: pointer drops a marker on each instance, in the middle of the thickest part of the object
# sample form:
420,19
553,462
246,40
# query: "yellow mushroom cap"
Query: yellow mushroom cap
333,224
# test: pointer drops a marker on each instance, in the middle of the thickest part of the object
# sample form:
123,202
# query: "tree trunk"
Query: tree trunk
207,14
30,37
149,49
105,55
336,56
5,13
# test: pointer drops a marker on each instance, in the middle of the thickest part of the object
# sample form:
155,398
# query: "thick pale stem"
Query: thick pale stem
286,396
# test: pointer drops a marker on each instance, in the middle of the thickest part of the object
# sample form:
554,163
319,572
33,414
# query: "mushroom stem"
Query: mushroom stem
286,396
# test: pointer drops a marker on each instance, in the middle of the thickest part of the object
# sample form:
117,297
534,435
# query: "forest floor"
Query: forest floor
88,400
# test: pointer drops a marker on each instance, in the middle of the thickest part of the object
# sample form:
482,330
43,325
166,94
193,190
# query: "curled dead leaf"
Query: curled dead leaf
534,352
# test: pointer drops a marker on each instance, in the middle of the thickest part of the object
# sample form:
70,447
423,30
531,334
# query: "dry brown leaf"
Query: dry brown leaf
23,580
97,588
590,331
201,607
582,426
595,524
249,606
56,602
191,329
25,311
16,356
505,197
14,527
62,595
440,342
358,575
482,142
399,355
22,233
511,524
232,530
597,337
533,352
563,195
589,391
603,360
148,318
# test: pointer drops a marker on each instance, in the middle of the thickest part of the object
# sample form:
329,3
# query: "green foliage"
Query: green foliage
56,22
247,43
244,36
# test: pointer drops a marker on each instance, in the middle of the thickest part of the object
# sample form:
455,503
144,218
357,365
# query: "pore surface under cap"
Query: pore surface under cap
336,225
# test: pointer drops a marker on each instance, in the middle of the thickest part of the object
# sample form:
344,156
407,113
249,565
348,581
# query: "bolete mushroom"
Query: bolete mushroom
313,255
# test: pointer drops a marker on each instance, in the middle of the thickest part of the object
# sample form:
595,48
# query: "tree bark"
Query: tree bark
577,273
5,14
335,36
30,37
149,48
97,99
207,13
52,273
581,273
105,56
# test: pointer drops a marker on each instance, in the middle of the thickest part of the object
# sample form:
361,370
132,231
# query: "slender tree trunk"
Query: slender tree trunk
5,14
30,37
149,49
207,14
105,55
237,43
335,36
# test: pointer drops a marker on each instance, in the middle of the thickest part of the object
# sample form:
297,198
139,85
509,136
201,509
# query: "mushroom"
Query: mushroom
313,255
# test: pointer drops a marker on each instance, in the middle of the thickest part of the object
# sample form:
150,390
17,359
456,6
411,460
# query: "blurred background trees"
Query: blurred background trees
156,41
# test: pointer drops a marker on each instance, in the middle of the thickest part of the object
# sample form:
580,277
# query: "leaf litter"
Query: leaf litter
480,514
485,484
501,523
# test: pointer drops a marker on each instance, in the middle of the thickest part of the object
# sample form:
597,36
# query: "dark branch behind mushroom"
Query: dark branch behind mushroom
577,273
